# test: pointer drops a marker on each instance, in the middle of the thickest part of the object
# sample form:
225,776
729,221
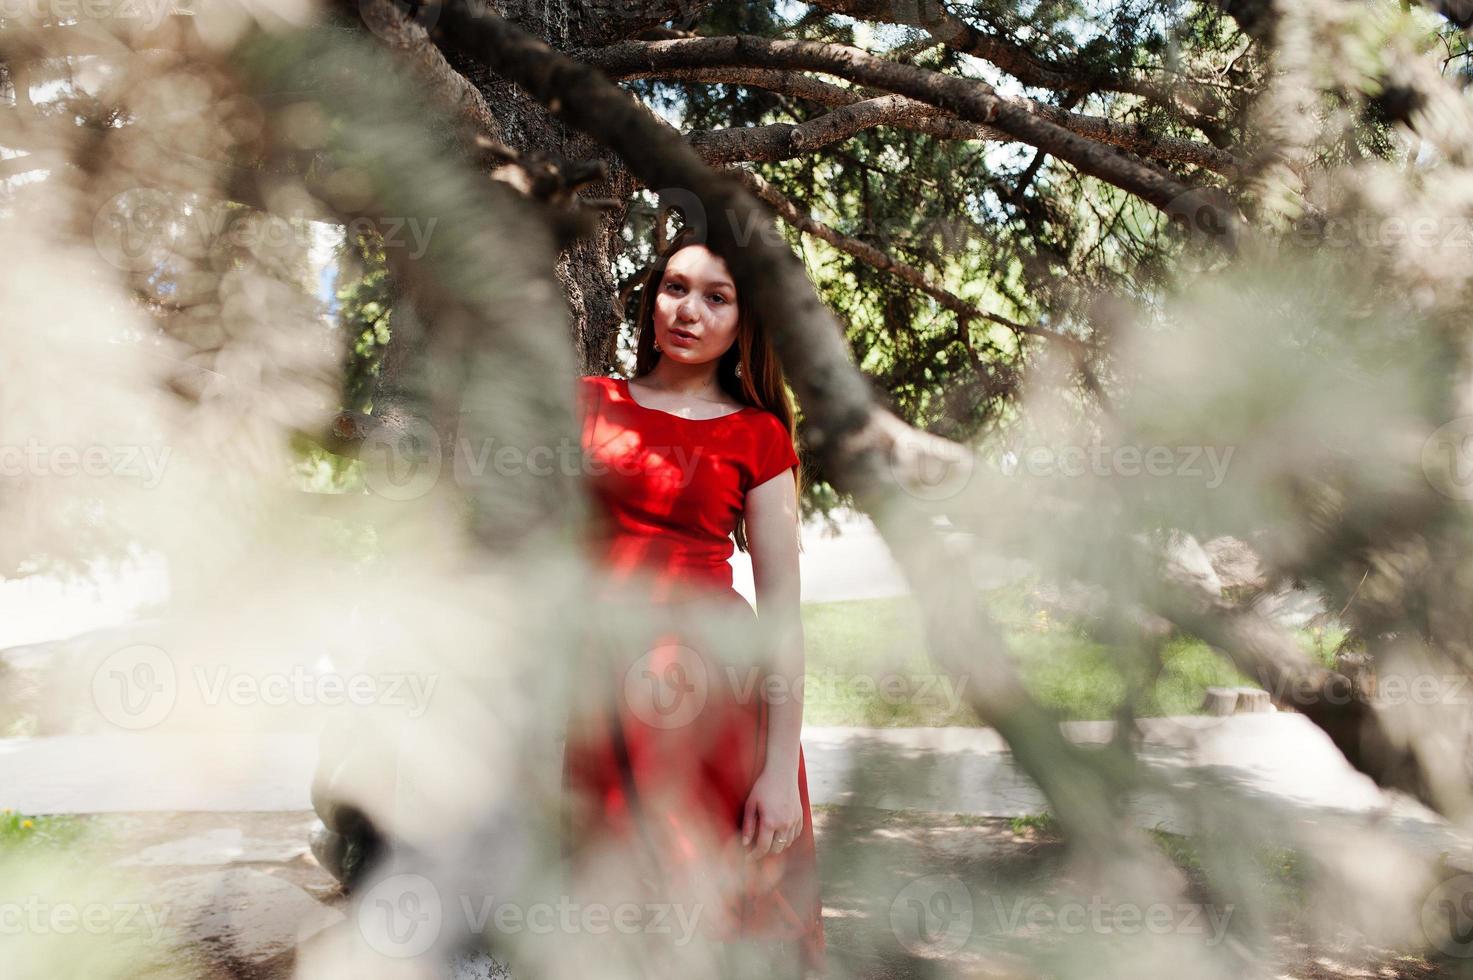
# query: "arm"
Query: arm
771,515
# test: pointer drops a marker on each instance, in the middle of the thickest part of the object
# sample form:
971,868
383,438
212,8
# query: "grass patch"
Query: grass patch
1282,872
1279,870
21,834
1040,824
867,665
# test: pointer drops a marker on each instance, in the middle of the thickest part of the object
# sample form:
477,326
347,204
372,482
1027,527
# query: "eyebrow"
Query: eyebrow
717,283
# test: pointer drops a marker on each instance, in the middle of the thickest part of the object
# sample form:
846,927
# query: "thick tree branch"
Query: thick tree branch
786,82
600,23
1192,101
924,118
411,43
1460,12
1273,658
882,261
782,141
1045,127
919,116
726,146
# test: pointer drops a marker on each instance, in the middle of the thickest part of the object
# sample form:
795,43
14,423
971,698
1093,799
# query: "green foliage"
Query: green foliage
853,647
1281,876
365,313
704,106
1005,227
20,833
1283,872
1036,823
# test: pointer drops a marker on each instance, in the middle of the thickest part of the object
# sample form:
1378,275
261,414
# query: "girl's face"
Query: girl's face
696,307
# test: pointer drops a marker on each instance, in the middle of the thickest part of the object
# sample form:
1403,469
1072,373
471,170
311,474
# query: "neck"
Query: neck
687,379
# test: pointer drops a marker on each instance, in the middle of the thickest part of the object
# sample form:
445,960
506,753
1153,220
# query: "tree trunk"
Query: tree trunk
585,268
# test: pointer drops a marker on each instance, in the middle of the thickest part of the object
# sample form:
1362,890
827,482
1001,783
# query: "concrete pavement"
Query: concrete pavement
1274,757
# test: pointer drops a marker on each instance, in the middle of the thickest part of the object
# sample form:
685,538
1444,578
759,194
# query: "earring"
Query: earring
738,371
657,345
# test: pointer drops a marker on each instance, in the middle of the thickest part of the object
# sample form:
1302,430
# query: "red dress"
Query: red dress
668,731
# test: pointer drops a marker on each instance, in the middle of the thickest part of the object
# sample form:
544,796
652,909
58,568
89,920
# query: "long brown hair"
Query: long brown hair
760,382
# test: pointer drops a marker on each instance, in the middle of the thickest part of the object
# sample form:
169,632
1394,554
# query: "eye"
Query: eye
673,285
718,296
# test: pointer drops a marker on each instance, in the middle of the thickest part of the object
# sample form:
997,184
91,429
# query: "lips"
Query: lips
683,337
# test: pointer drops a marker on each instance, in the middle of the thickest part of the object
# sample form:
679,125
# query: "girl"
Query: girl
683,773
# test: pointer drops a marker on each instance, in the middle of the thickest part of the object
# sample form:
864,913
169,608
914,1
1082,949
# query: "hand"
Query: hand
774,812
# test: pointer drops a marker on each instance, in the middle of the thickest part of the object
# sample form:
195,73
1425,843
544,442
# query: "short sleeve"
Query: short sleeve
774,450
586,395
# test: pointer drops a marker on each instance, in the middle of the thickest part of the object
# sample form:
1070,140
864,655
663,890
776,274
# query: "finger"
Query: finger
762,845
749,822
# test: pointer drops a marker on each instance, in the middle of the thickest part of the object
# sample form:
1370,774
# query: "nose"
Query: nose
685,308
